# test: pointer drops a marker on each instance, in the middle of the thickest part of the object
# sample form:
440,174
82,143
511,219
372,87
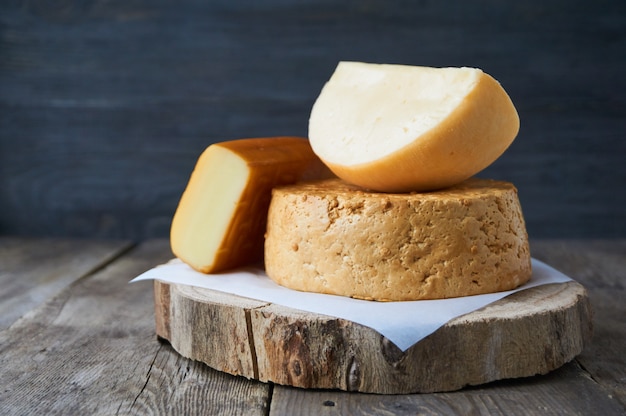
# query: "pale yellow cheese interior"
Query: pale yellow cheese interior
208,206
383,108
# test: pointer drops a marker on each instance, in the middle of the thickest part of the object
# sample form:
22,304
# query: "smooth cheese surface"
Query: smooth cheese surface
398,128
384,107
220,220
332,237
208,206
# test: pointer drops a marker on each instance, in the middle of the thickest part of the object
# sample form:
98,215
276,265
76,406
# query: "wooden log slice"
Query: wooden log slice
528,333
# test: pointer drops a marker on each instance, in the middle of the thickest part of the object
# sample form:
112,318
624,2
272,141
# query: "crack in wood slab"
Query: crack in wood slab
251,342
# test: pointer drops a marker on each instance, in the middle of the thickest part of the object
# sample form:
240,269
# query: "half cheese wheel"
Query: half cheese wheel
220,221
397,128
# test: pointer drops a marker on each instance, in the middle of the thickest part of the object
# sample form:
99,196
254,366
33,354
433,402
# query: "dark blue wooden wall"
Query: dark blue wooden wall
105,105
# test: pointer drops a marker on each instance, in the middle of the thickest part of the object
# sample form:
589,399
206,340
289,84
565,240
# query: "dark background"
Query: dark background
106,105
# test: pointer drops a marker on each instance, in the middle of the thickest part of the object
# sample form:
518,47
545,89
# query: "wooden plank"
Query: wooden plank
92,350
566,391
600,266
34,270
175,385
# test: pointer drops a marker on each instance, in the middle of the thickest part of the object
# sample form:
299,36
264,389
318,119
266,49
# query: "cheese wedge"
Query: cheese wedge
398,128
221,217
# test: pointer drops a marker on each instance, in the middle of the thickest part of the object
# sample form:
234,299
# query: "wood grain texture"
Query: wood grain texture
92,350
106,105
34,270
196,329
528,333
601,267
566,391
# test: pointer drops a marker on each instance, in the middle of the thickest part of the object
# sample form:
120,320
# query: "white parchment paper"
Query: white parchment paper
403,323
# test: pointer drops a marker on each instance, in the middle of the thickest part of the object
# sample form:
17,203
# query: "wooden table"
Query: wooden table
76,338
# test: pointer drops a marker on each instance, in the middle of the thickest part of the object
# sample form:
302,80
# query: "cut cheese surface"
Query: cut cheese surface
398,128
220,220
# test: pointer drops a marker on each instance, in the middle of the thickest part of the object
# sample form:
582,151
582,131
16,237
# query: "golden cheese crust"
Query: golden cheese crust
333,237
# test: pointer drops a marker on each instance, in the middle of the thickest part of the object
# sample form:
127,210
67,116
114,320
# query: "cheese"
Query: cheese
332,237
397,128
220,220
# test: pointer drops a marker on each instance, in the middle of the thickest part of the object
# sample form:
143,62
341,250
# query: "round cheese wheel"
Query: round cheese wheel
398,128
332,237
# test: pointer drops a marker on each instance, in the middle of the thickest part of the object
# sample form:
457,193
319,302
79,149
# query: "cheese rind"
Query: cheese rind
398,128
220,220
332,237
